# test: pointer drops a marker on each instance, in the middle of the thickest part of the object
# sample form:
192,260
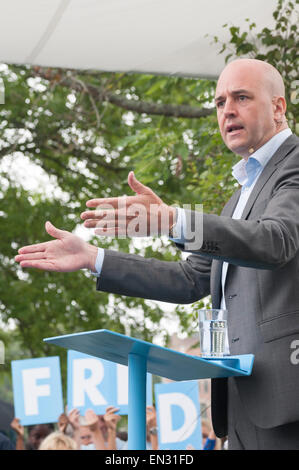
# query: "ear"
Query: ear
279,108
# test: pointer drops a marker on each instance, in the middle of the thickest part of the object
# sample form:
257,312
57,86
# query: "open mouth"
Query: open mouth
231,129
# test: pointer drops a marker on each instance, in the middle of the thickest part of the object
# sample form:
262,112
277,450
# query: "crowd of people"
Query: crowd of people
90,432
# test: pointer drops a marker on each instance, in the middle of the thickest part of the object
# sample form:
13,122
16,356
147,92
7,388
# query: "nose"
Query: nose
229,109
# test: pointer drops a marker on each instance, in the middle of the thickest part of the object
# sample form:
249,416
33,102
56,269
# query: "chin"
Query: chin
239,150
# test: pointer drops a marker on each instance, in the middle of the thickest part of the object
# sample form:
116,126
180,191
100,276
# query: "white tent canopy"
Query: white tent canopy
148,36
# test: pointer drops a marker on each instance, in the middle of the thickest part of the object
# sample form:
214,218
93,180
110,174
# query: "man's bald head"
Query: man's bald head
251,105
270,78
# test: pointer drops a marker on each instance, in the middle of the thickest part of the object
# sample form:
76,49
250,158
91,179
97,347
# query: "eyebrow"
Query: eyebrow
235,92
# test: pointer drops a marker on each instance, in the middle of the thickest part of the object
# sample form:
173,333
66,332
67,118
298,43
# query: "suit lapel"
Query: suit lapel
229,207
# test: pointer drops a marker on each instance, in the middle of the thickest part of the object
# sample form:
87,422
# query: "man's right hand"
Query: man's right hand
65,254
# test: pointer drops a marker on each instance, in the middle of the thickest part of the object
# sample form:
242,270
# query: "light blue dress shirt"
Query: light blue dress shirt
246,173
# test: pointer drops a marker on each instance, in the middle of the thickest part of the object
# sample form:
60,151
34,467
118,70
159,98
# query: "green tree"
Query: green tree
278,46
86,131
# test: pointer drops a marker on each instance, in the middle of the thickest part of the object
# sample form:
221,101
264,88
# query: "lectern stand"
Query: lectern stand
142,357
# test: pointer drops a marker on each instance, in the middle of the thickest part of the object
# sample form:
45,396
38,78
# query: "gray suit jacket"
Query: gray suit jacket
261,293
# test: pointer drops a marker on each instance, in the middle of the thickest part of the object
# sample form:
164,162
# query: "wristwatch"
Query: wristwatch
171,234
153,431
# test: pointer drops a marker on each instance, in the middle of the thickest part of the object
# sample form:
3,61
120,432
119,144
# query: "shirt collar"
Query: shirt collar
260,157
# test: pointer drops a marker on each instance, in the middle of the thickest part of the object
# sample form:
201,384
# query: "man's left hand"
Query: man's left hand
144,214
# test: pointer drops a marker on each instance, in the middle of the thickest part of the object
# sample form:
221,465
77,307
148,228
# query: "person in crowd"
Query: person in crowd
37,434
57,440
108,425
5,443
84,430
70,425
93,432
91,435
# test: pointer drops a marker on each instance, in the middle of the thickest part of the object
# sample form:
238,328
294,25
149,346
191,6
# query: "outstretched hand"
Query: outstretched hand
74,418
144,214
65,254
62,422
17,427
110,418
91,420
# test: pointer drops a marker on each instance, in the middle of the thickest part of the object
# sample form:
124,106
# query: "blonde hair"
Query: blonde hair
58,441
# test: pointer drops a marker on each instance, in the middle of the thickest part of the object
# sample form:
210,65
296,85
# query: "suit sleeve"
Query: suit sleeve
177,282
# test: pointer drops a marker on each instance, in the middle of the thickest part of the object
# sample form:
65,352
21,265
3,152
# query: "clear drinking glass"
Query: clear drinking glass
213,332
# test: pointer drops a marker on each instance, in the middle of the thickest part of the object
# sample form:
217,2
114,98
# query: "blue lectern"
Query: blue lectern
142,357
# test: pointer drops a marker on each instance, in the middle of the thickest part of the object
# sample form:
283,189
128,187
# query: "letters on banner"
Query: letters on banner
178,414
96,383
37,390
91,383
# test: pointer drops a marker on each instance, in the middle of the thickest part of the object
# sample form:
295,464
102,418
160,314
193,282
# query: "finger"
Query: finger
109,407
137,186
112,409
111,232
43,265
100,212
107,214
109,203
89,215
90,223
111,216
28,256
123,231
55,232
107,223
33,248
115,218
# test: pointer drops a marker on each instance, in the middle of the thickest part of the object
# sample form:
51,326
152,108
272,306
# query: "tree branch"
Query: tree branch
168,110
140,107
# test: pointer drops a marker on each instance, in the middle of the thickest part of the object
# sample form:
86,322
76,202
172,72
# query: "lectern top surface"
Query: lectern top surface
161,361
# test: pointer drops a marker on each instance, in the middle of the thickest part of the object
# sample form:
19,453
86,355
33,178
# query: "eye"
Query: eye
242,98
220,104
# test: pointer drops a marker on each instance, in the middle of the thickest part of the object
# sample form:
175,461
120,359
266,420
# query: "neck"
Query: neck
279,128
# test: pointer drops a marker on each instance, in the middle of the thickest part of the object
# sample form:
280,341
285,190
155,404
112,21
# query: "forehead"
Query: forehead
239,78
84,431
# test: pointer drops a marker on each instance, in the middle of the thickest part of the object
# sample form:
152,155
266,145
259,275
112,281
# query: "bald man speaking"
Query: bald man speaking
247,258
